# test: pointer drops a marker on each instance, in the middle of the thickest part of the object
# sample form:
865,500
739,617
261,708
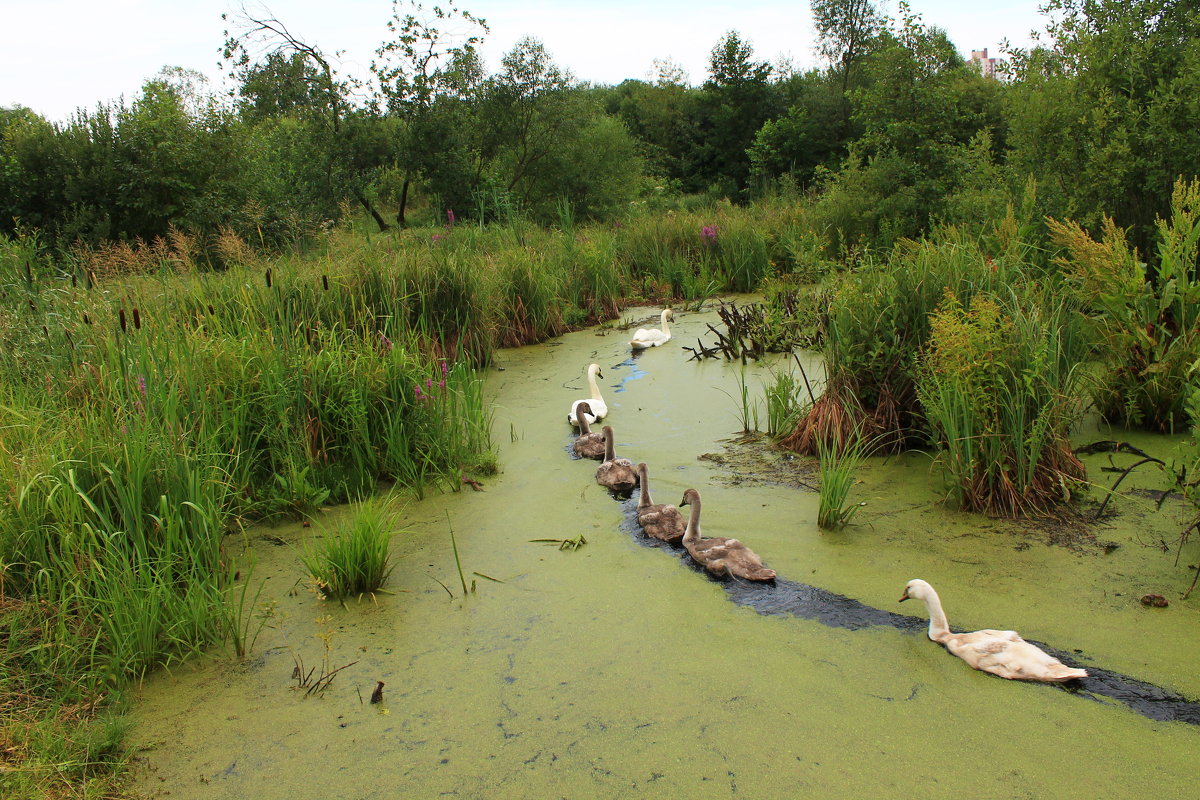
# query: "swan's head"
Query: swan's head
643,470
583,407
689,495
669,315
594,371
608,433
917,589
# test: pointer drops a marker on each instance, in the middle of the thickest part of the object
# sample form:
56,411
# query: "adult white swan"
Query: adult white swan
653,337
599,409
1002,653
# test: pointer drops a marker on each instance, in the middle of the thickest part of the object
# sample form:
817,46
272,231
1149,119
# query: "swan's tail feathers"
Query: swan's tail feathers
761,574
1069,673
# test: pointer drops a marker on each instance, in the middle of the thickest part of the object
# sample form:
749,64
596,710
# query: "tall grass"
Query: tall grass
1001,387
838,467
354,561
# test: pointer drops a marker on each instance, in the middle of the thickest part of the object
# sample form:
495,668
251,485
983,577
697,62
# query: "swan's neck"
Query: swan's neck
610,452
939,628
691,534
644,501
665,328
581,418
592,386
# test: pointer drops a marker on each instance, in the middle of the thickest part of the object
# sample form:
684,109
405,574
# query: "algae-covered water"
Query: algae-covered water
618,670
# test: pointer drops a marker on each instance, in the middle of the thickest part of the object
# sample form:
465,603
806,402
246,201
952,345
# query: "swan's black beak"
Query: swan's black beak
684,501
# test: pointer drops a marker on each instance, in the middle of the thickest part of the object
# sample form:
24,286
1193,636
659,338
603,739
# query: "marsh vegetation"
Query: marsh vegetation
215,316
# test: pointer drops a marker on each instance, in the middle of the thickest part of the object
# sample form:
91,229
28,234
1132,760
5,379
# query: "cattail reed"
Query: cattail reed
268,277
137,319
121,318
86,319
325,282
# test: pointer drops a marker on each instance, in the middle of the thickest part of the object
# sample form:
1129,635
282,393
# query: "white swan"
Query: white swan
718,555
658,520
653,337
599,409
615,473
587,444
1002,653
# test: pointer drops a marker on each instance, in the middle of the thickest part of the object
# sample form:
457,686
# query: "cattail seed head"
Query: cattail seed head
121,318
137,319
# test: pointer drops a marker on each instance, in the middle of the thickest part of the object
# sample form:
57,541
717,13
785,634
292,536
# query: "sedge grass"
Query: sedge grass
838,469
354,560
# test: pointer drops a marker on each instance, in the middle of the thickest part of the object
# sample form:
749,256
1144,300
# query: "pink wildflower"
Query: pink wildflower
450,216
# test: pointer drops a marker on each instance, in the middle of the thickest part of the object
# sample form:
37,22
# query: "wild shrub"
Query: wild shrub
1146,320
1000,388
876,324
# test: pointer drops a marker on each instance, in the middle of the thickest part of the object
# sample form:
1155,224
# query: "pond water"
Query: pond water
618,670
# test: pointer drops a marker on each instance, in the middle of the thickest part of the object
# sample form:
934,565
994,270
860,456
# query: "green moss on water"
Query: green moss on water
617,671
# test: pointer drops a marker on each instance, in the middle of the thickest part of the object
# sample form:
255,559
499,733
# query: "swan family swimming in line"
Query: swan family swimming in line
1002,653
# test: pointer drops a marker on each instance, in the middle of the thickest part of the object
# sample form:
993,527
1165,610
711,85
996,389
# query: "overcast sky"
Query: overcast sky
60,55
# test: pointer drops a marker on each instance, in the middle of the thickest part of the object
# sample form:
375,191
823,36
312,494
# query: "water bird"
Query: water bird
615,473
587,444
719,555
653,337
658,520
1002,653
599,409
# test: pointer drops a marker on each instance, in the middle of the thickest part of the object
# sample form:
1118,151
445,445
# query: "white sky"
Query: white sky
60,55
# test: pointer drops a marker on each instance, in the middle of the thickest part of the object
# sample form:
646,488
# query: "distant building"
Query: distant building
986,65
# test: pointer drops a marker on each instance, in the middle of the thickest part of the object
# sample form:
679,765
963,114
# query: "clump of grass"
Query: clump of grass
838,468
354,561
1000,389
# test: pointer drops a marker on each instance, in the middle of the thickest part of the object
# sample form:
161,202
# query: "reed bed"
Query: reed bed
1001,387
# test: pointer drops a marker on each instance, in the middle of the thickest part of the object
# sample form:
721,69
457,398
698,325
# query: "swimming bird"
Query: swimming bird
653,337
587,444
599,409
658,520
615,473
719,555
1002,653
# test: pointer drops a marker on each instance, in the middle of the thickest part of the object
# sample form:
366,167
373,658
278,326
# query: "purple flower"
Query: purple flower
429,383
442,383
450,215
709,234
417,390
443,369
437,237
385,343
142,384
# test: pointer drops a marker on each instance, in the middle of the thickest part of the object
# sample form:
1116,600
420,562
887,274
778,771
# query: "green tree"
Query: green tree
847,32
736,100
345,173
1105,116
429,73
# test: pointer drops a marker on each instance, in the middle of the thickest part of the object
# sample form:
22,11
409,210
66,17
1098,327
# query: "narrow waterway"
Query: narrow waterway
618,670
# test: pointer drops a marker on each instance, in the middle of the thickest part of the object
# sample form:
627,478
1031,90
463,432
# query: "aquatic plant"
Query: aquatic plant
838,465
354,561
1146,319
1000,388
875,327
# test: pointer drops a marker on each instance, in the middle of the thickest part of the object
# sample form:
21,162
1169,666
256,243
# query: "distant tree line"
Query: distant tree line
894,133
